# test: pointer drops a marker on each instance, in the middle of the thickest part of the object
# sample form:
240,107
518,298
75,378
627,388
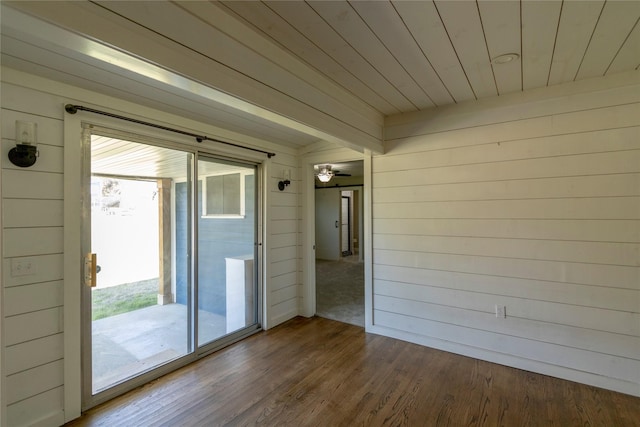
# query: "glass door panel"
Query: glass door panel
227,287
141,232
175,255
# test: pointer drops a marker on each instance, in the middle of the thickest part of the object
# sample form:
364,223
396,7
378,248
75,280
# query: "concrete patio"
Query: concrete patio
127,344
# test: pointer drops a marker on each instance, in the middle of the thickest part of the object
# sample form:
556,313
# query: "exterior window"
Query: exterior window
223,196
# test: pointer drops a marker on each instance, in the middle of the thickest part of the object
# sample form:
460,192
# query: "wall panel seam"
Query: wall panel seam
37,394
29,112
505,218
35,366
523,337
467,291
30,283
498,200
515,159
507,277
510,238
408,185
504,257
33,311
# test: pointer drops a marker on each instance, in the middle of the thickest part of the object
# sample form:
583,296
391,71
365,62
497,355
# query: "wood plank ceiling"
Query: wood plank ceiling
340,67
403,56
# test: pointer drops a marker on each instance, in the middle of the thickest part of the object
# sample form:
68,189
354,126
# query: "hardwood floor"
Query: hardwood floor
319,372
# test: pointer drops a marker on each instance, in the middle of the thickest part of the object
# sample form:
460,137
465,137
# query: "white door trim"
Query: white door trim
308,305
72,286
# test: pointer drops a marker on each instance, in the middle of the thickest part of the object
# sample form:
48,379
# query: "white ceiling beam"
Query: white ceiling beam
180,68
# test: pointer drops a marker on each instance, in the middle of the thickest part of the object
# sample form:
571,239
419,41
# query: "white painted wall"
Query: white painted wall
36,348
282,242
32,232
3,393
530,201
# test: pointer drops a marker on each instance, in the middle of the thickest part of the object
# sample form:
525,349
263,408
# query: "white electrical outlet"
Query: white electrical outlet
501,311
22,267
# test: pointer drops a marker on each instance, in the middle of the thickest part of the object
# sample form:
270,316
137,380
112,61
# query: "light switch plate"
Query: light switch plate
23,267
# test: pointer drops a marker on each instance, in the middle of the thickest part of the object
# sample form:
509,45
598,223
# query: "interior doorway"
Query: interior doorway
339,266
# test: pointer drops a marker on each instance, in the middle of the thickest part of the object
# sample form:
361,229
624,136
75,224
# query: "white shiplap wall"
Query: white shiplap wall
282,245
32,232
532,202
32,213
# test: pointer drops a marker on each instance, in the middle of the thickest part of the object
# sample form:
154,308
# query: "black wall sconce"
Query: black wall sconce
25,153
286,179
283,184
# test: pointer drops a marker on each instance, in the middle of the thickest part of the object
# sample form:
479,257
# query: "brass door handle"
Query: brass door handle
91,270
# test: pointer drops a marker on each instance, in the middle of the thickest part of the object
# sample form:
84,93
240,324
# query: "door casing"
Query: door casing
308,306
77,302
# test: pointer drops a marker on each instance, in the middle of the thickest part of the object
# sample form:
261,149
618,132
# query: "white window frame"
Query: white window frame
242,214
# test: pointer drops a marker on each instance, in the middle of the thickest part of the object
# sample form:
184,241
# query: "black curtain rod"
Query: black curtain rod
72,109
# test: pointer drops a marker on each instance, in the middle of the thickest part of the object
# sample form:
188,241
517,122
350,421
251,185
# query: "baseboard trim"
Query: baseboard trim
281,318
556,371
55,419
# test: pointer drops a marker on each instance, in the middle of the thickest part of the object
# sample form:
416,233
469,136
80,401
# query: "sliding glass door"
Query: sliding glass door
174,235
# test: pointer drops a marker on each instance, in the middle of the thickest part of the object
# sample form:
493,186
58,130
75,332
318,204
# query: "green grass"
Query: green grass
119,299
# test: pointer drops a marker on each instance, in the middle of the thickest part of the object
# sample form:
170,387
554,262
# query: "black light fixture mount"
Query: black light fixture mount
25,153
283,184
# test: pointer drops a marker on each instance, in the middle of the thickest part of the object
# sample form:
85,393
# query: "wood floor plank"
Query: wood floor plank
319,372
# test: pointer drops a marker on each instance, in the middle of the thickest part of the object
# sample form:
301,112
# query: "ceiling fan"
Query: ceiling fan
325,173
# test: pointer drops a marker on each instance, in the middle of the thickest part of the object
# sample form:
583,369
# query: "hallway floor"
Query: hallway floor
340,290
